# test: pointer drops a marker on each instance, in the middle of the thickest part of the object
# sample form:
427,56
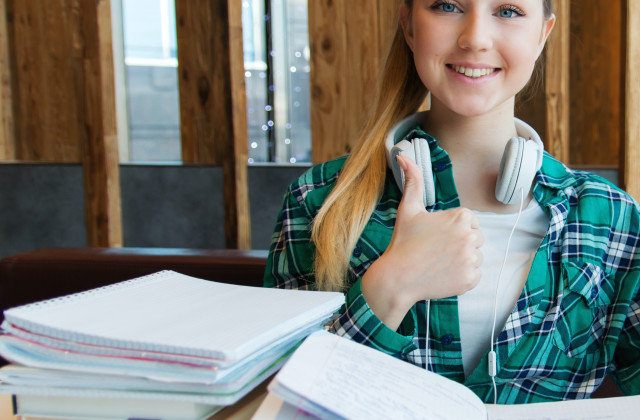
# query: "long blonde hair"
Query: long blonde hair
345,212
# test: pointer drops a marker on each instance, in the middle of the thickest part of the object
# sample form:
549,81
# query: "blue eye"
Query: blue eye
509,12
506,13
445,7
449,8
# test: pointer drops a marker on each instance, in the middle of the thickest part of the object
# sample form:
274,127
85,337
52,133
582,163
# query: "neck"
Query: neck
475,145
472,138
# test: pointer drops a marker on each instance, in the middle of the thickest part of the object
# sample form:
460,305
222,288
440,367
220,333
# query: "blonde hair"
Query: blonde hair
345,212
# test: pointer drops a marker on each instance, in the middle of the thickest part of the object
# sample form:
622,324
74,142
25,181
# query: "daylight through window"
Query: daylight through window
276,56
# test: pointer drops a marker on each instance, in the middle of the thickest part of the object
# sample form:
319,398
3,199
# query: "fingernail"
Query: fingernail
401,162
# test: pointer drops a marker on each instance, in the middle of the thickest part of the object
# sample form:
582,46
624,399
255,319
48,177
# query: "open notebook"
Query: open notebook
332,377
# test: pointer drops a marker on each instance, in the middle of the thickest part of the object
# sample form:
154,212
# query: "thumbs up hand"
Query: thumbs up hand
430,256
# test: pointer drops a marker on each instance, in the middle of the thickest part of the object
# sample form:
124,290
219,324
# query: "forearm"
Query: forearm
387,299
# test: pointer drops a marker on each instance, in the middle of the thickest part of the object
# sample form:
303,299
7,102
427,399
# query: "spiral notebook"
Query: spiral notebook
171,317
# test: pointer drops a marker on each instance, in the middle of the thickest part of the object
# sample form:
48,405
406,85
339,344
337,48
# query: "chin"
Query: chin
471,112
470,107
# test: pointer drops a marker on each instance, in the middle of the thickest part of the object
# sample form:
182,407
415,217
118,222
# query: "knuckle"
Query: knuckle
470,280
464,214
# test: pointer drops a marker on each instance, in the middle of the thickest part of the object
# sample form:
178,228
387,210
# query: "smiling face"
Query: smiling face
474,56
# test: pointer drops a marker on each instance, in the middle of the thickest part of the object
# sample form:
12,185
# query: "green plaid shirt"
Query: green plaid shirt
577,318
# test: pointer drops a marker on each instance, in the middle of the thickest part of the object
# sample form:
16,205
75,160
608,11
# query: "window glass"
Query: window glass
276,48
276,57
259,109
150,51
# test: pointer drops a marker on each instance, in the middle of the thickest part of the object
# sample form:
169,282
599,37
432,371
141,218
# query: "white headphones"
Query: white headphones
521,160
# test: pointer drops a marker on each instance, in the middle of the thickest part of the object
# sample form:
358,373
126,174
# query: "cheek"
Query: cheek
431,40
429,50
522,61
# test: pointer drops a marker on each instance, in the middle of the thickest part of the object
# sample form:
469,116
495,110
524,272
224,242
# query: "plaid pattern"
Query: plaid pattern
577,318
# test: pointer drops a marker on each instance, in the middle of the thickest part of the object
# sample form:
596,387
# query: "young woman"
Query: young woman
525,290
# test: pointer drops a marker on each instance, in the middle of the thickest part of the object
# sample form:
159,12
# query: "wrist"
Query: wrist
387,299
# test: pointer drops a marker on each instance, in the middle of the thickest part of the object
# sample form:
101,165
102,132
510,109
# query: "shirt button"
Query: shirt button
357,251
440,166
447,339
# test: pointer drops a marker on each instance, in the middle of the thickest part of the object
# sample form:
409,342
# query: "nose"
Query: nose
475,33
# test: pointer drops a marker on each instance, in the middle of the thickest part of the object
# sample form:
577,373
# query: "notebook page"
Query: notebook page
592,409
354,381
175,313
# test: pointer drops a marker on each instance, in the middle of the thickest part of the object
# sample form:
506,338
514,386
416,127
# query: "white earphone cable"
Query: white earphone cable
492,362
426,336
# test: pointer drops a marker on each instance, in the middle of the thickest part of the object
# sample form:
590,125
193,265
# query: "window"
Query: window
151,80
276,55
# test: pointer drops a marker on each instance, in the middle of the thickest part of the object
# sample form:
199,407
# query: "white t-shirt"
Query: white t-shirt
475,308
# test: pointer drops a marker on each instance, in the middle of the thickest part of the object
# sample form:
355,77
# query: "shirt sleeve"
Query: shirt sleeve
290,259
290,266
627,354
358,322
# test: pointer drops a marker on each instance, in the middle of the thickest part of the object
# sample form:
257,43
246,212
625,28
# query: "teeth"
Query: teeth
469,72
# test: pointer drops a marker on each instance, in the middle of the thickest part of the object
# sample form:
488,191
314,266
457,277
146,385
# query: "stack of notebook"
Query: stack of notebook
165,345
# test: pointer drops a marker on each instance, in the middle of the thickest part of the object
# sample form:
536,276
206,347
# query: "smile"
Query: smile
473,73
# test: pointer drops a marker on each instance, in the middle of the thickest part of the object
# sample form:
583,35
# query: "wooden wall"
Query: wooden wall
597,70
349,39
47,55
630,161
57,90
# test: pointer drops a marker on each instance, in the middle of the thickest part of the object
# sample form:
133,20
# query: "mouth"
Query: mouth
473,73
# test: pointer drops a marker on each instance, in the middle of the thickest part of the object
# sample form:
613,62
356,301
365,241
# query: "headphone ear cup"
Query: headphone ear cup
423,159
517,169
418,151
403,148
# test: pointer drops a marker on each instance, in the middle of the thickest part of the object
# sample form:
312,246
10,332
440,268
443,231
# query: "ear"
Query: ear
547,26
405,22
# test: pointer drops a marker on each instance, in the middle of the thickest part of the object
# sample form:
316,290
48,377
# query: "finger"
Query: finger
413,195
479,258
474,220
479,238
467,217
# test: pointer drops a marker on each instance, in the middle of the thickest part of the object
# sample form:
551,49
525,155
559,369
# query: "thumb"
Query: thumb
413,195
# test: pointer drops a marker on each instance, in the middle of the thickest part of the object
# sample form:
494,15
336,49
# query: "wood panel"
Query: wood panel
7,139
100,147
203,71
344,68
236,193
213,104
46,49
632,101
556,89
329,124
597,73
